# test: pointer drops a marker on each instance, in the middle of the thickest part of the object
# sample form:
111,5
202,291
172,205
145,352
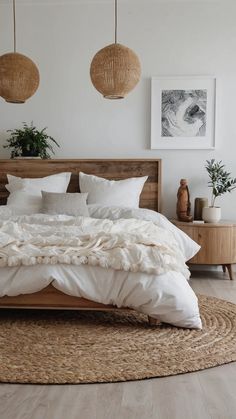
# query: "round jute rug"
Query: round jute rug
87,347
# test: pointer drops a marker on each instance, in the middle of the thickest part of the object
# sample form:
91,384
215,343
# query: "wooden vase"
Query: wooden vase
199,204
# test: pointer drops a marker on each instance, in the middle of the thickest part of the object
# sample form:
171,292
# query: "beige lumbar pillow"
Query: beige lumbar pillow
65,203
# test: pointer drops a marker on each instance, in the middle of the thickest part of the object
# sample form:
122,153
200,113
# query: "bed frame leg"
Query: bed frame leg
152,321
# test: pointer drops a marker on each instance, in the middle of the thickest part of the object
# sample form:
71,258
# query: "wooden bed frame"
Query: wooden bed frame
115,169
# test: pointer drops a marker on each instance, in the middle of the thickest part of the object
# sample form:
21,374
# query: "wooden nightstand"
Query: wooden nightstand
217,241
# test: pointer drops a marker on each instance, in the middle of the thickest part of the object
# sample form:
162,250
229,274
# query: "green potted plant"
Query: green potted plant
30,142
220,182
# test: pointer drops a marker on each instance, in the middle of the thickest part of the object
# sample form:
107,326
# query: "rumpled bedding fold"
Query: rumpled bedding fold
125,244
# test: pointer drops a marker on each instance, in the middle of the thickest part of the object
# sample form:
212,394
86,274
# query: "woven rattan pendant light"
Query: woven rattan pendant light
19,76
115,70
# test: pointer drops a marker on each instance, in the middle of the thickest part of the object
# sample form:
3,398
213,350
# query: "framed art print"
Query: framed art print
183,113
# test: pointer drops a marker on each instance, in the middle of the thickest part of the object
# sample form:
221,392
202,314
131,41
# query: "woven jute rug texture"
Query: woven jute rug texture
88,347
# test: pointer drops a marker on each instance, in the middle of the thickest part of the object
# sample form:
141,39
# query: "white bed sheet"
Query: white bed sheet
167,297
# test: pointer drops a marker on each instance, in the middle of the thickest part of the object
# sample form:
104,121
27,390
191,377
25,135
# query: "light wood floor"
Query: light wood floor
209,394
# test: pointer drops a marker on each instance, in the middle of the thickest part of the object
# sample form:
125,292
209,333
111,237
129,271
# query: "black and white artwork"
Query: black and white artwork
183,113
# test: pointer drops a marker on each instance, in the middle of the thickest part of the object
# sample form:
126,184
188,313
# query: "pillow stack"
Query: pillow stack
25,193
48,194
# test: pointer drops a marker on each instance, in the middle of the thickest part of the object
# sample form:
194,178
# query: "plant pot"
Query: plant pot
29,153
211,214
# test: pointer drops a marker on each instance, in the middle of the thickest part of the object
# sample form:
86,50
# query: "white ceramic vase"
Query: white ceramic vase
211,214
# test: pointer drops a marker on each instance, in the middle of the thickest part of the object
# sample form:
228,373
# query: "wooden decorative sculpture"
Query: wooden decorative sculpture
183,208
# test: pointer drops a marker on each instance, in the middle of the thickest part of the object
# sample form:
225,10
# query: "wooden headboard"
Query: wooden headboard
115,169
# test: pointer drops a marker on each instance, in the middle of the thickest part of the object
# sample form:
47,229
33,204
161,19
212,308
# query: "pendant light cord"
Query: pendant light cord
14,23
115,21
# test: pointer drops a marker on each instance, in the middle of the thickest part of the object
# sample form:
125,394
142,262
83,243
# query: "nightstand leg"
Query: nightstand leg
224,268
229,268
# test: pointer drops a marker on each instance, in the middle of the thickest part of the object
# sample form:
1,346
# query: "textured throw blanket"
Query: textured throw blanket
124,244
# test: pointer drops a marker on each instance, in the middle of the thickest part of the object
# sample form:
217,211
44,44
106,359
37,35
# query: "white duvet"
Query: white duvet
129,258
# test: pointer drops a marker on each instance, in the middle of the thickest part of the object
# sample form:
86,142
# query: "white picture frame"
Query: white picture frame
183,112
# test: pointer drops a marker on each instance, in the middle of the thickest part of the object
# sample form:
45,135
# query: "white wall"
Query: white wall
171,38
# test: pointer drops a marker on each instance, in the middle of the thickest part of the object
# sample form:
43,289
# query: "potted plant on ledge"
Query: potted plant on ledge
220,182
30,142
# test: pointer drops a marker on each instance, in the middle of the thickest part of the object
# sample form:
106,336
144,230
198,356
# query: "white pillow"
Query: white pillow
25,193
65,203
101,191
